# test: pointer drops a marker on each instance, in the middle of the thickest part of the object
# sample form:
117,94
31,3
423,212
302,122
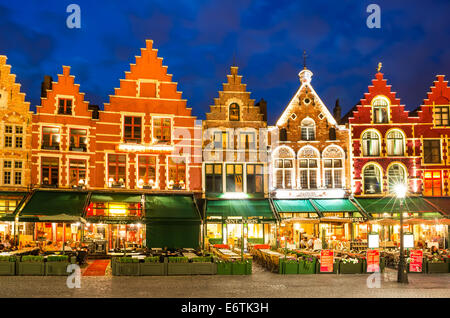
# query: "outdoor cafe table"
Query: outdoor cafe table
21,251
227,254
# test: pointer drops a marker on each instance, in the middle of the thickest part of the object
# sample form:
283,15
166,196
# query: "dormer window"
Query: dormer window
65,106
234,112
380,107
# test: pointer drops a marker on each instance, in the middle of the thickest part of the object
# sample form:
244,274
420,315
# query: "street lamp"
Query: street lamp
400,191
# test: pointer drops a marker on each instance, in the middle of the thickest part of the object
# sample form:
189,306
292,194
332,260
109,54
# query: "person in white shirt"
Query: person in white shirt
311,242
317,244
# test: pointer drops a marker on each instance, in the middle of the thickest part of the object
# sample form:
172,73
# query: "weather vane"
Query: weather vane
379,66
304,59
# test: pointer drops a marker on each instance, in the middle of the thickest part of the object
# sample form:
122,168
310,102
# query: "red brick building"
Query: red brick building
383,147
63,136
146,136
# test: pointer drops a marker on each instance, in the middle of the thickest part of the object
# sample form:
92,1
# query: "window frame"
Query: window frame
136,129
236,108
50,168
51,134
234,175
255,175
66,109
380,107
117,164
439,122
390,149
77,140
146,165
380,175
366,143
214,176
177,165
390,184
433,181
157,139
284,171
427,145
77,170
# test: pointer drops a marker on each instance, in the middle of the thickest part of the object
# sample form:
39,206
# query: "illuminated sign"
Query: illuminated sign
144,148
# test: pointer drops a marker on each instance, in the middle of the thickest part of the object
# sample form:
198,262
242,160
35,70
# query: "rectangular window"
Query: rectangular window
213,178
12,174
333,173
18,177
6,177
50,138
432,183
65,106
147,171
441,115
132,129
162,130
380,114
432,151
234,178
49,171
308,173
117,170
177,173
308,133
78,140
255,178
77,172
13,136
247,141
283,173
220,140
8,136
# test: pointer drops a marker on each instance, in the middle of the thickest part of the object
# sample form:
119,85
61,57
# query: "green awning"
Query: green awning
243,208
54,206
171,207
442,204
392,205
294,206
335,205
12,194
115,198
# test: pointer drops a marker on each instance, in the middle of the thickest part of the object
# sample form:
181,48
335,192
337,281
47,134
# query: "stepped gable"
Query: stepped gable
13,98
439,94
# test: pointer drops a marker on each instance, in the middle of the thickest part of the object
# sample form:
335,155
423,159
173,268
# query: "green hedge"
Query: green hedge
151,259
202,259
58,258
178,259
32,258
7,258
127,259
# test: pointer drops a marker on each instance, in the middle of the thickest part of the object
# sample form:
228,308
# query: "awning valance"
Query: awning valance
335,205
54,206
116,198
392,205
294,206
243,208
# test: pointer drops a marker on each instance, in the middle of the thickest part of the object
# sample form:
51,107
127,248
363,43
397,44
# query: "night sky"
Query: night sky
199,39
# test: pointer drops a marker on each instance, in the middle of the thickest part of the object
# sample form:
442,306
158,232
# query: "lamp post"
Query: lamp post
402,277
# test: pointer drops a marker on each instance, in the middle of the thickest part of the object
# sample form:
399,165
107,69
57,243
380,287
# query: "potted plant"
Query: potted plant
126,266
223,267
152,267
56,265
7,265
289,266
351,265
307,265
31,265
178,265
238,267
203,265
437,264
249,266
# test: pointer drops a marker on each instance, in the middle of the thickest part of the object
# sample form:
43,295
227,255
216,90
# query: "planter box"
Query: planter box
424,267
56,268
290,268
238,269
179,269
437,267
7,268
351,268
127,269
382,265
249,267
306,267
335,268
199,268
31,268
152,269
223,268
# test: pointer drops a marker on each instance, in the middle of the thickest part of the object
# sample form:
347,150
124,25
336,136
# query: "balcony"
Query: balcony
81,148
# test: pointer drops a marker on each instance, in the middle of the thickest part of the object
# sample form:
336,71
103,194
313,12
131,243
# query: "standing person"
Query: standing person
311,242
317,244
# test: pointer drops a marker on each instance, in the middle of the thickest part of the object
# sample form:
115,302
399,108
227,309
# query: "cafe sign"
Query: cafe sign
373,261
326,261
415,264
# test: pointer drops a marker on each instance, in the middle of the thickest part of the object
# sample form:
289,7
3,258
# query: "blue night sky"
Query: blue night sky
198,40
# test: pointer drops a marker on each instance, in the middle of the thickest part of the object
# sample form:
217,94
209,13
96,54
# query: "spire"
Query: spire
337,111
305,74
304,59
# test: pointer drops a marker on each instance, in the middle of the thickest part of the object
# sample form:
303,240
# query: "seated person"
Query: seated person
434,250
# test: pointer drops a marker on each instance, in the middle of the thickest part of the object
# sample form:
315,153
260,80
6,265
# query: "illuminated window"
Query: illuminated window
333,158
78,140
220,140
308,167
234,178
147,171
50,138
234,112
177,173
308,129
13,136
395,143
77,172
132,129
49,171
441,115
372,179
247,141
380,108
162,129
255,178
65,106
371,144
396,175
213,178
117,170
432,151
432,183
284,170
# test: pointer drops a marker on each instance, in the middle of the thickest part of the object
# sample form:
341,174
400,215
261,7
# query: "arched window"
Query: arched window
234,112
380,109
333,167
308,166
395,143
308,129
372,179
371,143
396,175
283,168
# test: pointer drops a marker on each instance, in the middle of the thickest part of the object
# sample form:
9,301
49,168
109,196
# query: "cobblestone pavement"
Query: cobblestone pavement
261,284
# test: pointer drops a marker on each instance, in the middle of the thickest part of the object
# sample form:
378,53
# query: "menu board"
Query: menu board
415,265
373,261
326,261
